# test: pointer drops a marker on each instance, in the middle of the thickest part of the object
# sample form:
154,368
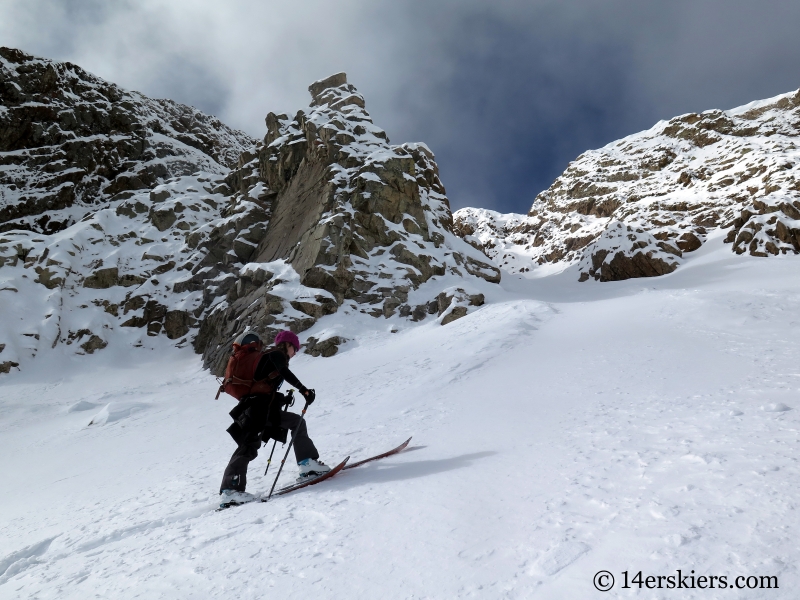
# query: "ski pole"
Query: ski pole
290,395
269,460
291,442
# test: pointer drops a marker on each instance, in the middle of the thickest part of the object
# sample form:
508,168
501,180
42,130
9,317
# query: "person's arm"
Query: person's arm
275,362
308,394
293,380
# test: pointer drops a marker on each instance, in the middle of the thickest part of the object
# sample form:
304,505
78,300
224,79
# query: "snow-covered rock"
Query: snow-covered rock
117,273
673,185
70,141
356,219
171,242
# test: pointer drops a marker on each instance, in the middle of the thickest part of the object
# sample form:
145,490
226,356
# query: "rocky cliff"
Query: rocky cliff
152,237
635,207
70,141
358,220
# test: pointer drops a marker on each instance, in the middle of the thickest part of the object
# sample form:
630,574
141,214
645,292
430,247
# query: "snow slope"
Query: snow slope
560,429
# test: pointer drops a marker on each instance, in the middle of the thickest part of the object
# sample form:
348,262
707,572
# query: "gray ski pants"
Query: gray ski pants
235,477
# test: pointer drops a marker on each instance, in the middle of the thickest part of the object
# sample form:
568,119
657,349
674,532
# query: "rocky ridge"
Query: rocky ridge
70,141
323,214
361,222
636,206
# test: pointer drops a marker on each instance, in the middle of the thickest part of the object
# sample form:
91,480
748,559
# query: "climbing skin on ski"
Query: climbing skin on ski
343,466
311,481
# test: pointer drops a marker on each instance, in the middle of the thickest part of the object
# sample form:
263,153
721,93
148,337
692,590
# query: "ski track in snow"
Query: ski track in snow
559,430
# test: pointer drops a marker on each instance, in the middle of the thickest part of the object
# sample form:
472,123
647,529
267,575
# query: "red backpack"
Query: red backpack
241,369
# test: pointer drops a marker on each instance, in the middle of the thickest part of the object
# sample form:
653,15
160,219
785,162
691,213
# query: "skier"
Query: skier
259,417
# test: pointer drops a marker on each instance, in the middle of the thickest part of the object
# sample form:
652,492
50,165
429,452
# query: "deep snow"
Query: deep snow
561,429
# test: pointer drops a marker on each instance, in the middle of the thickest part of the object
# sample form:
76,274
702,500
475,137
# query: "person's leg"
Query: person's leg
235,477
303,446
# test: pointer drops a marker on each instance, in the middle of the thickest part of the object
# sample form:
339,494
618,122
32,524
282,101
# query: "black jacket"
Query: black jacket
261,413
274,367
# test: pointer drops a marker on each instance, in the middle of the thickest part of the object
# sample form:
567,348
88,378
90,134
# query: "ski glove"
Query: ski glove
309,395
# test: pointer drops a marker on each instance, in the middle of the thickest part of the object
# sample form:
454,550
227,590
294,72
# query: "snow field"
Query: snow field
561,429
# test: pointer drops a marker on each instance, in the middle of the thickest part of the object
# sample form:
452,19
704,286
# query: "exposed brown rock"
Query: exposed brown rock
325,348
689,242
177,323
163,218
455,303
102,278
5,367
109,277
624,266
93,343
49,279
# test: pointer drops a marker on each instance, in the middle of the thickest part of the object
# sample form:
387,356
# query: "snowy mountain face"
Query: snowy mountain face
122,222
99,191
636,207
70,141
362,224
642,428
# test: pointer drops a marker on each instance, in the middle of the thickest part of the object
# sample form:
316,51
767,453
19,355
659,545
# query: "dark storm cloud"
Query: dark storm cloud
506,93
534,85
522,100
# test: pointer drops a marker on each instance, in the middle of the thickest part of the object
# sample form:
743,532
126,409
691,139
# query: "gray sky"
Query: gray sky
505,92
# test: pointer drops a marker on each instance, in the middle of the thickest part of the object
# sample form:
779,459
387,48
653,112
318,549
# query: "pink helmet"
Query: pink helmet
288,336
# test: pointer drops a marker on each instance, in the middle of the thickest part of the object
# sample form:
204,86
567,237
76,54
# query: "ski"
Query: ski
342,466
297,486
289,488
400,448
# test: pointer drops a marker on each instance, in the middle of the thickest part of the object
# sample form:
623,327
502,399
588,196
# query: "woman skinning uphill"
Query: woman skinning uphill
259,415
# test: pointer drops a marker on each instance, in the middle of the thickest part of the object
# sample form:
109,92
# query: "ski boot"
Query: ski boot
311,468
230,498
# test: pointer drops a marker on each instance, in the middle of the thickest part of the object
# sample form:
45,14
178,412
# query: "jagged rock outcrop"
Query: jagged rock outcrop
70,141
357,219
622,252
171,246
668,188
